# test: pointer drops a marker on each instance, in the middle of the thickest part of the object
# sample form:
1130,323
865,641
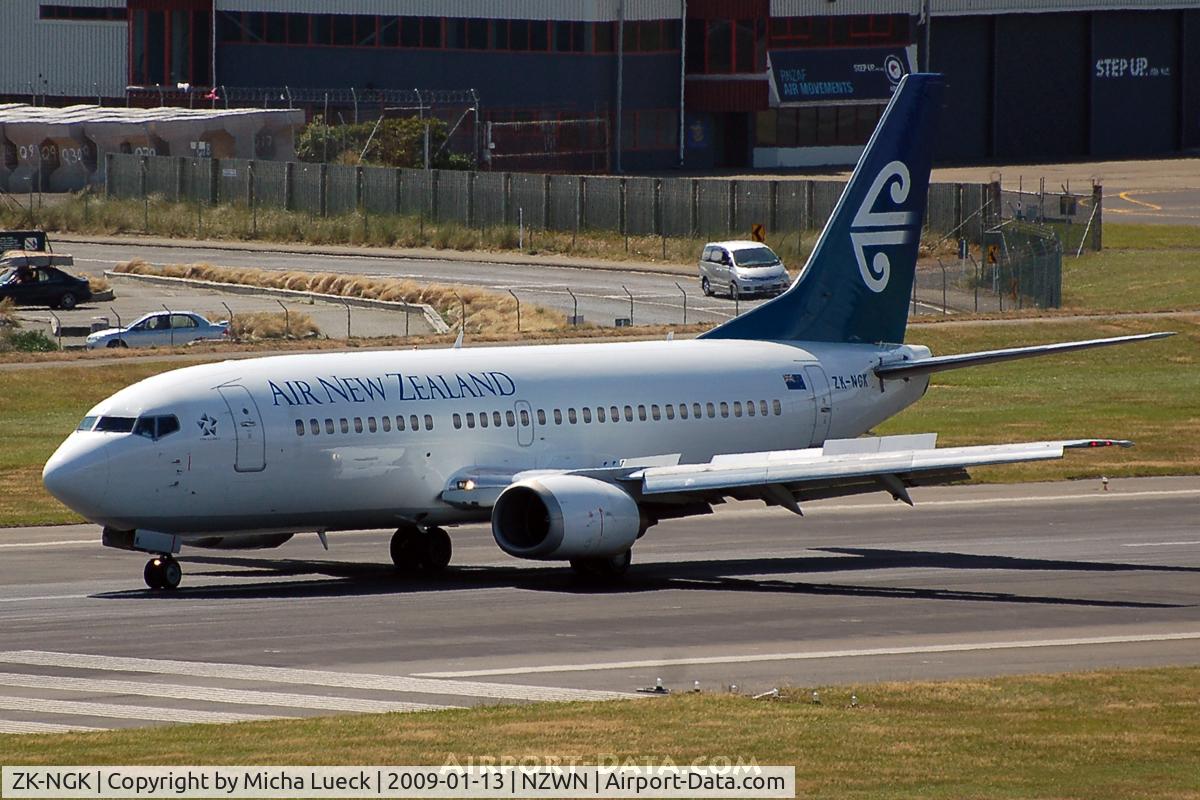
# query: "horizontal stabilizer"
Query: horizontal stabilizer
927,366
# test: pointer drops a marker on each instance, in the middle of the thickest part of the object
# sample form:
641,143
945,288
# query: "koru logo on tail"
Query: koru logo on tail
879,230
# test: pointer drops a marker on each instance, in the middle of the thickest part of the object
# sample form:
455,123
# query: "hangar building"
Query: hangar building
703,83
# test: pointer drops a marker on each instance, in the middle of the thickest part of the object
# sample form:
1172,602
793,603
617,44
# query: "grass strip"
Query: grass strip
1129,734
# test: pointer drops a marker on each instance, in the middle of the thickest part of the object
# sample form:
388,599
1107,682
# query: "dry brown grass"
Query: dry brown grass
8,313
486,312
259,325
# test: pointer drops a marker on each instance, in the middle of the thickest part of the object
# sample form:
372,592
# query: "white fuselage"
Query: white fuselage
300,443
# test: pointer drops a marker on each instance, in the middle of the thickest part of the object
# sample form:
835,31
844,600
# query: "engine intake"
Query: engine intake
565,517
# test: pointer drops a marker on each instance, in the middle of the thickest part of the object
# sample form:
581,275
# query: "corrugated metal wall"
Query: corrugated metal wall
61,58
579,10
1135,83
959,7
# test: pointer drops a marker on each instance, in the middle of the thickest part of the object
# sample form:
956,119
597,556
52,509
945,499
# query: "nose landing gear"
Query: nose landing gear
421,552
163,572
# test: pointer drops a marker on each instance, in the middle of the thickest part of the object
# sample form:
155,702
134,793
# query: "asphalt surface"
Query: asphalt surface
973,581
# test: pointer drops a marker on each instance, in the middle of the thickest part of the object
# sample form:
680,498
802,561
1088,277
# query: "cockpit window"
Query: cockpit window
115,424
87,424
156,427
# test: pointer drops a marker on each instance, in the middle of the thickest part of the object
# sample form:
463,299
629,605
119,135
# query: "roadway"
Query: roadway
977,580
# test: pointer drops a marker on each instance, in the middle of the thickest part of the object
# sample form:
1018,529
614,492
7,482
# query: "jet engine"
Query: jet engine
565,517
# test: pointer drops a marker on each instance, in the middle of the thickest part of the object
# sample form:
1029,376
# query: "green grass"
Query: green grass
1124,236
1147,392
1116,734
1132,280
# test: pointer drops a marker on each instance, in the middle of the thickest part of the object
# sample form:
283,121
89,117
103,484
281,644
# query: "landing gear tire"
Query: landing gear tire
163,573
607,569
417,552
706,287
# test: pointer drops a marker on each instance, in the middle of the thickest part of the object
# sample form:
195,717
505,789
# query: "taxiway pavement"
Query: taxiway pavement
977,580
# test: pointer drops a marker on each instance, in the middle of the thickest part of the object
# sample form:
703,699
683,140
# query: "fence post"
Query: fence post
289,186
214,172
772,205
250,184
694,209
180,164
471,199
434,174
1098,221
323,188
506,197
581,203
733,204
658,209
360,195
143,168
546,202
623,230
108,181
958,209
810,200
398,195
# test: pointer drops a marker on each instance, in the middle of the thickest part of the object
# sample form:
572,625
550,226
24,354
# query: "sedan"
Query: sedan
160,329
43,286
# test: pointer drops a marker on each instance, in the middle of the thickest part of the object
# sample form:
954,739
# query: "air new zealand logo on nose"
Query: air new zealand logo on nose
878,230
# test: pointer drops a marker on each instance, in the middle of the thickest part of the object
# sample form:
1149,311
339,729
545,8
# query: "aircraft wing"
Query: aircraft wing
926,366
841,467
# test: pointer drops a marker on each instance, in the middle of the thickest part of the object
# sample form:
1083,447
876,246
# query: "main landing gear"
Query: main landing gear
163,572
417,551
609,568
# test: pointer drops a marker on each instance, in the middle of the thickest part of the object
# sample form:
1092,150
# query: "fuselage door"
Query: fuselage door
524,423
818,384
247,423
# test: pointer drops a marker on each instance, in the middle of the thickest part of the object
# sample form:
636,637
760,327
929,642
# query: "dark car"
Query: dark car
29,282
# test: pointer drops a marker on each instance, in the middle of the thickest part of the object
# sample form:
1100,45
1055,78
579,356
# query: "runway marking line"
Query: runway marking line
21,726
1127,197
62,543
818,655
210,694
309,677
1159,544
82,708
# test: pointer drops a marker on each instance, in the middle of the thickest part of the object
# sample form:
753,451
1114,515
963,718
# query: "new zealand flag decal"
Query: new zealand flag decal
794,382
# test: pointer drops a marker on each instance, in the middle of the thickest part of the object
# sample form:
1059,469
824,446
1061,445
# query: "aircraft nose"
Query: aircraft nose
77,474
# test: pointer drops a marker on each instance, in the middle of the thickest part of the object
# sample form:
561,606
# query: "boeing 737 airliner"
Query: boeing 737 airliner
571,451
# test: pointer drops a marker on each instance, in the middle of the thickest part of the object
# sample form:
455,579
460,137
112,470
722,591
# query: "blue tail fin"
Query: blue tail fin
857,282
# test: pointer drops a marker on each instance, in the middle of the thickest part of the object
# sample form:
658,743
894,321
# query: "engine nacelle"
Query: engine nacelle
565,517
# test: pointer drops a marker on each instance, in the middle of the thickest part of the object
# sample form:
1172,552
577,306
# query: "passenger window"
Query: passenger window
428,422
750,408
457,421
696,412
614,413
587,414
541,416
670,411
737,408
683,411
712,411
777,407
496,423
557,417
328,425
724,409
358,426
414,424
655,412
387,424
571,416
470,420
510,418
483,419
314,427
371,427
400,422
642,413
299,427
345,424
144,427
86,424
762,407
599,413
524,418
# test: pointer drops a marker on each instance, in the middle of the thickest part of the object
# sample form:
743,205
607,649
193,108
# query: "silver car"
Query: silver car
160,329
740,269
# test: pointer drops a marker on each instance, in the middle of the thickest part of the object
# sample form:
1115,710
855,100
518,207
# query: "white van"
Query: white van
740,269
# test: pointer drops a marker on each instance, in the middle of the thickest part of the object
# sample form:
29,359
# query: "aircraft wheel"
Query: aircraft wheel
163,573
438,549
408,550
604,569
